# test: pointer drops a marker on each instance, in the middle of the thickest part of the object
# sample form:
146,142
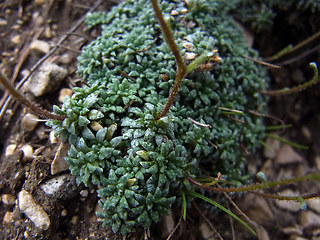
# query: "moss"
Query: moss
139,163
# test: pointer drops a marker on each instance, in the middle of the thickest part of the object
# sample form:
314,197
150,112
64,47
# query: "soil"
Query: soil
71,210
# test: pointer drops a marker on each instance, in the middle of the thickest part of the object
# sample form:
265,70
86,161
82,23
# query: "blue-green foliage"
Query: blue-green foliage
140,163
261,13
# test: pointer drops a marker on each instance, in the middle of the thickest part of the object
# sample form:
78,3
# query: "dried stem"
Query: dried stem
39,111
181,67
301,87
255,187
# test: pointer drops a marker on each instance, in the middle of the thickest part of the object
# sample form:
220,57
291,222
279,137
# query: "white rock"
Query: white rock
65,92
28,152
259,210
10,149
52,137
8,199
7,219
290,206
53,186
41,46
33,210
174,13
190,55
293,231
287,155
298,238
16,39
47,79
314,204
84,193
3,22
29,122
64,212
75,219
184,10
58,164
309,219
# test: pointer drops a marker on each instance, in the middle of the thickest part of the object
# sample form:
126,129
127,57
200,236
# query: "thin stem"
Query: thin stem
301,87
288,198
255,187
39,111
286,141
291,49
181,67
169,36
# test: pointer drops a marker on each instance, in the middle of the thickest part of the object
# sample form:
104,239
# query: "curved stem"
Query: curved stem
255,187
301,87
38,110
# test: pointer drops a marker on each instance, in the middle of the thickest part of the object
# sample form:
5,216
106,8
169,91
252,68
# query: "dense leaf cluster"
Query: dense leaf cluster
139,162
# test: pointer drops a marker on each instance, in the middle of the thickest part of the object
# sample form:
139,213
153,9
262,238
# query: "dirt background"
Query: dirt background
51,31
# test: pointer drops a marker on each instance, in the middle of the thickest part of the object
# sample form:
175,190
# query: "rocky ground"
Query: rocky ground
41,200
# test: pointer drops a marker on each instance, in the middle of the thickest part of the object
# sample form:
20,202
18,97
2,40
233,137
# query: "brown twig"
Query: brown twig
45,57
181,67
38,110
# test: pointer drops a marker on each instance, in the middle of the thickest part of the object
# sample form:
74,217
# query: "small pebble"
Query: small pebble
52,186
314,204
290,206
188,46
292,231
3,22
184,10
29,122
64,212
288,155
26,234
75,219
10,149
28,152
174,13
47,79
95,126
190,55
33,210
16,39
8,199
65,92
39,2
52,137
84,193
7,219
58,164
309,219
41,46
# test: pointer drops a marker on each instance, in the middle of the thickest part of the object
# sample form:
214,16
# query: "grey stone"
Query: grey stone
59,164
53,186
47,79
309,219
